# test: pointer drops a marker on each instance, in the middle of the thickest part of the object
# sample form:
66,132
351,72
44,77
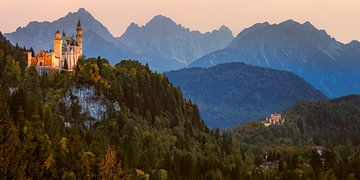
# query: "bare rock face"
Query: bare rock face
92,107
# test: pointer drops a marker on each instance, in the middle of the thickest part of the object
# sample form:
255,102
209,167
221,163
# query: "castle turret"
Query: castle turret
79,39
29,57
58,45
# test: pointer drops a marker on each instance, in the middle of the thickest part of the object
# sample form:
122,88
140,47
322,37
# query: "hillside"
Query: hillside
101,121
312,54
328,123
230,94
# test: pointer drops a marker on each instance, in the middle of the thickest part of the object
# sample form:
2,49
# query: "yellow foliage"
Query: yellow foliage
140,174
49,161
110,168
63,146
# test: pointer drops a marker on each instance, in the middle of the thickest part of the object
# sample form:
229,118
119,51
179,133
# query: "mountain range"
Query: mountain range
163,37
232,93
329,65
161,43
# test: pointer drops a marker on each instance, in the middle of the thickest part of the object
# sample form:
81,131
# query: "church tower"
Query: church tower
79,40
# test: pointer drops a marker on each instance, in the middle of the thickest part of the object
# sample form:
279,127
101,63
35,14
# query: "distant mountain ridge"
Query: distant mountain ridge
232,93
97,40
312,54
40,35
162,36
161,43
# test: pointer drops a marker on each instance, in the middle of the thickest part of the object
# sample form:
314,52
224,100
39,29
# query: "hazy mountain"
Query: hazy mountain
97,40
40,35
327,64
162,37
229,94
161,43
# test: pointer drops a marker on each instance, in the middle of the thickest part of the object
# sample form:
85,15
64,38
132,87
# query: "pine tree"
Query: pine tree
11,74
10,145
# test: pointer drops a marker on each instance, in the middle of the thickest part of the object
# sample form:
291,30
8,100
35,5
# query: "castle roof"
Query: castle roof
42,53
79,23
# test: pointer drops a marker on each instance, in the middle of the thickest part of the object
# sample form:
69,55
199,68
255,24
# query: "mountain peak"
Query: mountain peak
161,20
252,29
82,14
224,31
353,44
132,28
224,28
43,31
161,17
292,23
308,23
82,11
289,22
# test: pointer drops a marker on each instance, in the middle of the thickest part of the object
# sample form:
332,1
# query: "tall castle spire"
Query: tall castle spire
79,24
79,38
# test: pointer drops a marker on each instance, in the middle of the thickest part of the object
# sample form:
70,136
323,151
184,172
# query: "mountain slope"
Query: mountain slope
300,48
328,123
102,121
161,36
40,35
229,94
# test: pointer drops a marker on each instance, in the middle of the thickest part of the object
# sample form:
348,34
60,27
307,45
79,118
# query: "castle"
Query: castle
273,120
67,51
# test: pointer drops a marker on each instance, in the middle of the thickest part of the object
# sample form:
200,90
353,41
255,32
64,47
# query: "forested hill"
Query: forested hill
232,93
102,122
327,123
350,100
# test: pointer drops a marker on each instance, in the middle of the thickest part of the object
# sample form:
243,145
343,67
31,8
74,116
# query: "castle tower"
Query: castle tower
29,57
58,45
79,40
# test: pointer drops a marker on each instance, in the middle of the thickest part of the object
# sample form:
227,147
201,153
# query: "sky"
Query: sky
340,18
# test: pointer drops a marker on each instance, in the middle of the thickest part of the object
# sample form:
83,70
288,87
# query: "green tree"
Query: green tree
11,74
10,155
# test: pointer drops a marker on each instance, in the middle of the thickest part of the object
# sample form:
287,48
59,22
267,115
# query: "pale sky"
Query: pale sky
340,18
